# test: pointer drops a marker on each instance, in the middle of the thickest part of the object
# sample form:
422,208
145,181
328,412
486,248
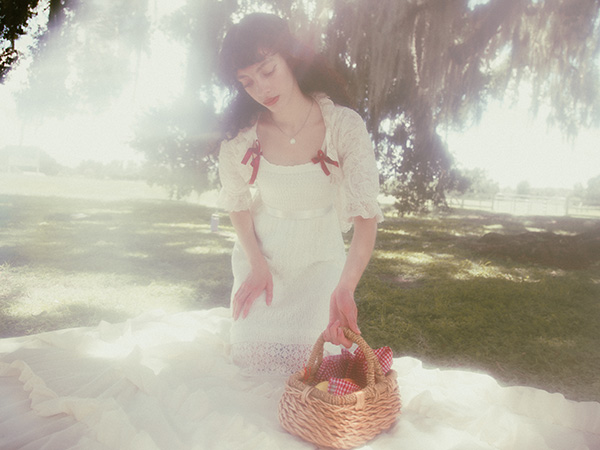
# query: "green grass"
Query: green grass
67,262
427,294
110,251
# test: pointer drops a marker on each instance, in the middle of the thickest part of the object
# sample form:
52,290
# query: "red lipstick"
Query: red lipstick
271,101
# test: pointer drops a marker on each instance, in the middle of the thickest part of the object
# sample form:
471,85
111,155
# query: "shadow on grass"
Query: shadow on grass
68,316
146,239
428,294
541,334
144,242
505,240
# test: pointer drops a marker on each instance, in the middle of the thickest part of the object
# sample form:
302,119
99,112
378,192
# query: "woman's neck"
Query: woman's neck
294,114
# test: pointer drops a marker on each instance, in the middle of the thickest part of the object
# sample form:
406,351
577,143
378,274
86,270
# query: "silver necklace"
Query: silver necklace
293,137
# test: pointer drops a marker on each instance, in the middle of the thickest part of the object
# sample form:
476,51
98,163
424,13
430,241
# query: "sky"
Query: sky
513,146
508,144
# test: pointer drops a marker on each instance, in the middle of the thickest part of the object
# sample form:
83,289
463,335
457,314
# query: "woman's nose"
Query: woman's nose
263,87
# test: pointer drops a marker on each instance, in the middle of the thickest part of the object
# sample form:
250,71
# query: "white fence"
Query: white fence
528,205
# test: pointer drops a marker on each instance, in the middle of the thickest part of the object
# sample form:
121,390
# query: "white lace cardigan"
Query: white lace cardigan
347,141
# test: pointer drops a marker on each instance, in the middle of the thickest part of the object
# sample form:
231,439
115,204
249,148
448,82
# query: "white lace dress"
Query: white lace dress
299,214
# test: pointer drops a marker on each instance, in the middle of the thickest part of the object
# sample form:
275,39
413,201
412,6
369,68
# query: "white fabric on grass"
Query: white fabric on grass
167,382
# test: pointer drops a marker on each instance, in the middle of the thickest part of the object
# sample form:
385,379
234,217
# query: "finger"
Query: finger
246,309
248,303
336,333
341,338
237,309
353,322
345,341
333,327
350,313
328,334
238,302
269,293
330,325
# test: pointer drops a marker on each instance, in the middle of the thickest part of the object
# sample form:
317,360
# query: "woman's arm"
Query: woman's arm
342,307
259,280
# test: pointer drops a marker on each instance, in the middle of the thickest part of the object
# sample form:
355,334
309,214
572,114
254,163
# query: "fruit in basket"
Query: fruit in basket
323,386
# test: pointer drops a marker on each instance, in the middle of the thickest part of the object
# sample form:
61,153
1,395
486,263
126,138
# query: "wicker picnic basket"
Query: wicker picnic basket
340,421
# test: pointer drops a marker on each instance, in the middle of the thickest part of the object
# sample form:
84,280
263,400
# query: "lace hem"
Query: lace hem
365,210
230,202
264,358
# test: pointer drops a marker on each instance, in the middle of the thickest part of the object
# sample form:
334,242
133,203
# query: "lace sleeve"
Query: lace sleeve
360,181
235,191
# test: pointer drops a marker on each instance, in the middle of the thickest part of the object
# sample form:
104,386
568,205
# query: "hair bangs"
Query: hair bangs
250,42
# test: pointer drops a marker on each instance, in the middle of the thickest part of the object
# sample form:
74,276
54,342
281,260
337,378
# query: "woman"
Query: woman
312,164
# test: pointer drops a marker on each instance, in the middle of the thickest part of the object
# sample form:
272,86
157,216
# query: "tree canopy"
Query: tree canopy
14,15
415,68
418,66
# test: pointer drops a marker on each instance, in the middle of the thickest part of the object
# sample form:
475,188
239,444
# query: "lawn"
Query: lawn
74,252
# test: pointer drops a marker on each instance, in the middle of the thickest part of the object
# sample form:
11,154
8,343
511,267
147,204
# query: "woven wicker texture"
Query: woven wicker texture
340,421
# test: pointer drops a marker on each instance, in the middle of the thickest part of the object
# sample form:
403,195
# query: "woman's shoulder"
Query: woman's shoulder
347,117
337,116
346,130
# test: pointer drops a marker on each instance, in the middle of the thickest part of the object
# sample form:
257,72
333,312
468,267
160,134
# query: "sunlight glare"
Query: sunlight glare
512,146
413,258
206,250
474,3
155,77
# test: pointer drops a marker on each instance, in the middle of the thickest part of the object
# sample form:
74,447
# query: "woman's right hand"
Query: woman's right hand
258,281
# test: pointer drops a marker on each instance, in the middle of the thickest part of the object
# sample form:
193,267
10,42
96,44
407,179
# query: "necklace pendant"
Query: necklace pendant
292,141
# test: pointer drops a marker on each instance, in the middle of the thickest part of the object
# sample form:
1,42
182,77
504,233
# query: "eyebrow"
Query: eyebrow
260,66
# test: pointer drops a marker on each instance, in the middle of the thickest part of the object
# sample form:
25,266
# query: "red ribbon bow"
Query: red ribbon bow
255,153
323,158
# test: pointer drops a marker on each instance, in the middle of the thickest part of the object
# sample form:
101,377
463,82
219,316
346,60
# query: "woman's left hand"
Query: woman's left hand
342,307
342,313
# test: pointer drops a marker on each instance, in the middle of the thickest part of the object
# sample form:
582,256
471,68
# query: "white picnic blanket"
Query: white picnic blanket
166,382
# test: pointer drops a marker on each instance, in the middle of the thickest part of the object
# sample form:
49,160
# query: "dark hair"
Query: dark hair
251,40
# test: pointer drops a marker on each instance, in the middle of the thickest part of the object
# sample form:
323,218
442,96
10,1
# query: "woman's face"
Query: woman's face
269,82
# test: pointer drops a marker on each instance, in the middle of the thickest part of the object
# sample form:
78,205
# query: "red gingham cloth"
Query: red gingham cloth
339,386
353,366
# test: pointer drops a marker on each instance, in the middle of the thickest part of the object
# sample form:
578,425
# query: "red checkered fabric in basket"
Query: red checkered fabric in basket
338,386
351,365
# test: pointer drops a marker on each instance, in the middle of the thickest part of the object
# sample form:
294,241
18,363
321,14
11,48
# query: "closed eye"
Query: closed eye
249,83
271,72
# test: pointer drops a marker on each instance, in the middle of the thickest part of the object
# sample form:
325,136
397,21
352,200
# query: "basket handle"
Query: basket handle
374,371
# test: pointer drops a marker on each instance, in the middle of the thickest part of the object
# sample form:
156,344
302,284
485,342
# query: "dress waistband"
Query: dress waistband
302,214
